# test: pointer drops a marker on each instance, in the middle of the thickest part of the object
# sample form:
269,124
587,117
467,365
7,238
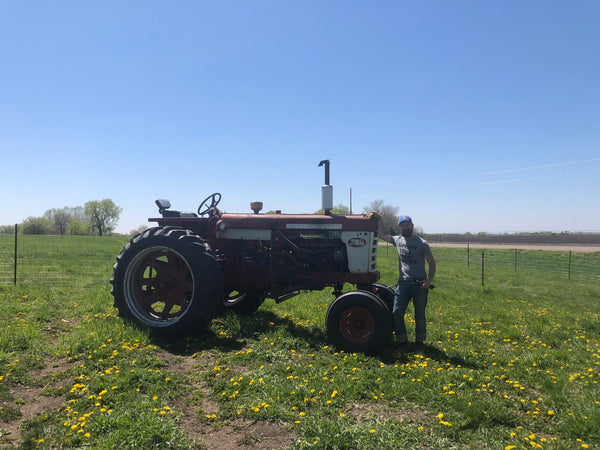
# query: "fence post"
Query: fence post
482,268
515,260
468,255
570,251
15,272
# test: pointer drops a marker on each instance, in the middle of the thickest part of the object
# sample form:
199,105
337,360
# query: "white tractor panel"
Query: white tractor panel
361,247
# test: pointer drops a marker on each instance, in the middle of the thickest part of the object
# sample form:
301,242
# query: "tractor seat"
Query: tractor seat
170,213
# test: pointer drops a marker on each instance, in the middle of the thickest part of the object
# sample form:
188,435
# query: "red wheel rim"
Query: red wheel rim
357,325
163,285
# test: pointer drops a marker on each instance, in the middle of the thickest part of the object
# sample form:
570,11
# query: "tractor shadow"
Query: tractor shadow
231,332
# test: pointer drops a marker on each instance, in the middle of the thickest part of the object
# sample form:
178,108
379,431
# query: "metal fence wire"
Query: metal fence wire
59,260
490,263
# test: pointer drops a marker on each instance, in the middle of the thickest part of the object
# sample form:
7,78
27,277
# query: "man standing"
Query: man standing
413,283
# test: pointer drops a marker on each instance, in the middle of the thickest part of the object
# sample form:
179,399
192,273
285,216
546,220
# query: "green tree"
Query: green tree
36,225
389,214
138,230
339,209
103,215
7,229
60,219
79,227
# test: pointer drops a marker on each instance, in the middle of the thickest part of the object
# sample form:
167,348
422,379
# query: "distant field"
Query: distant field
553,247
538,239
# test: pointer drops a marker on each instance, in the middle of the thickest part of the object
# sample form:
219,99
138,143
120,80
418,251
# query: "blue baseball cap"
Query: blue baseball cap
404,219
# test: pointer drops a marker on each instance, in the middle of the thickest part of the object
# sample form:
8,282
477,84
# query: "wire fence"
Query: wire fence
87,260
57,260
491,264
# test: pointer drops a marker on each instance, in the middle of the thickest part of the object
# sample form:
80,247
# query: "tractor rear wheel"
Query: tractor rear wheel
167,279
359,321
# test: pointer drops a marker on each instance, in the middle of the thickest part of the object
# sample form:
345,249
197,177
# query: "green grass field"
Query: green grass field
512,364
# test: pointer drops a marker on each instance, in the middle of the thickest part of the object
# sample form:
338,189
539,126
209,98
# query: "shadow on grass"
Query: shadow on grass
391,355
231,332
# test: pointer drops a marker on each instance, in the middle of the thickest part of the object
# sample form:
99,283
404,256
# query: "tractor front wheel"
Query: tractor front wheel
385,293
167,279
359,321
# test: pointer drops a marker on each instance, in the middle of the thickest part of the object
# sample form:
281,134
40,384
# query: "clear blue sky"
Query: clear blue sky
467,115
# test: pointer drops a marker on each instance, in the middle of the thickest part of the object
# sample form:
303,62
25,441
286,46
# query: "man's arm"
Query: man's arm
431,273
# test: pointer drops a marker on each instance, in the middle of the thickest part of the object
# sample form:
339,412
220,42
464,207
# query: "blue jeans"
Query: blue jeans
405,292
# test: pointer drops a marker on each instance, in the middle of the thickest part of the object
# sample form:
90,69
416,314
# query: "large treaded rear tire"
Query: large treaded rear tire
168,280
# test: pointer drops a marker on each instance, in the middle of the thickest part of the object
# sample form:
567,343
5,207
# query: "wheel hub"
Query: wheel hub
163,285
357,325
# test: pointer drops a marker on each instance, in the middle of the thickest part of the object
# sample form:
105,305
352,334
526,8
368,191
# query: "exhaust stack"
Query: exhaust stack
326,190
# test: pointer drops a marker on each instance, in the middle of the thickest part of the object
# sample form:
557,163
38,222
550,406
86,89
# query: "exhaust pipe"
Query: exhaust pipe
326,190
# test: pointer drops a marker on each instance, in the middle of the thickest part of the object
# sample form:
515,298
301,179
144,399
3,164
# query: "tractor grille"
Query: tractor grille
374,253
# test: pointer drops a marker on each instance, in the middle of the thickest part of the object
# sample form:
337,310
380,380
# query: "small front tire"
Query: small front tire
359,321
385,293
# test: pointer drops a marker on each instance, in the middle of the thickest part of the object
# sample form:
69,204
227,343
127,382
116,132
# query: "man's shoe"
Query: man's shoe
419,348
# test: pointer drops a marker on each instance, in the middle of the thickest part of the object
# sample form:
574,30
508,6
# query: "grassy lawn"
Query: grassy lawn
511,364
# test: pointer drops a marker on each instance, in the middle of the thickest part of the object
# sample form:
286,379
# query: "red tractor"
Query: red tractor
176,277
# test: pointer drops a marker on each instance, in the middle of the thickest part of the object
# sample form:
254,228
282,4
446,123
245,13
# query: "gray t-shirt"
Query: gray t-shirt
411,257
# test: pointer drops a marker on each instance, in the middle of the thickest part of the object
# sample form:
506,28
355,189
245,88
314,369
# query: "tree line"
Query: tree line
388,213
100,217
96,217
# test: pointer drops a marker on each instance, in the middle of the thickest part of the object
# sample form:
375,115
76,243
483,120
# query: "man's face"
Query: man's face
406,228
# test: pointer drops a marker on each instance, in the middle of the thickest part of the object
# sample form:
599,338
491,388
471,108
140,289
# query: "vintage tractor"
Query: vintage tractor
176,277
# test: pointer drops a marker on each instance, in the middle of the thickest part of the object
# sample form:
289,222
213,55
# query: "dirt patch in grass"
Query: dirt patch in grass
239,434
26,402
367,411
29,402
245,435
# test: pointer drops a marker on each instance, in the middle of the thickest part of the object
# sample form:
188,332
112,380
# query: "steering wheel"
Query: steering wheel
214,201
